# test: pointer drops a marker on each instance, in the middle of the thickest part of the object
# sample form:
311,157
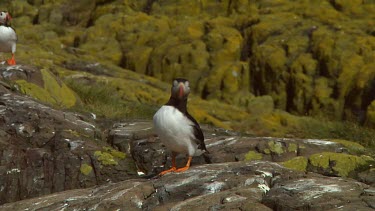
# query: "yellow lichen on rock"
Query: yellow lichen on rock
35,91
53,91
353,147
253,155
298,163
115,153
85,169
341,164
105,158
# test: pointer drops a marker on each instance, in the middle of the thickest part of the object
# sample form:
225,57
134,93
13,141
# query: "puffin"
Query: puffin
177,129
8,36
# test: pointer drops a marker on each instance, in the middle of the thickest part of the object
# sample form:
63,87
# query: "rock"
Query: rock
123,134
327,157
367,176
43,150
100,40
258,185
316,194
329,163
40,84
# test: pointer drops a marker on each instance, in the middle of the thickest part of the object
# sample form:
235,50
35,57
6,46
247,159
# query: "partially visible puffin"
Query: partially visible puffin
177,129
8,37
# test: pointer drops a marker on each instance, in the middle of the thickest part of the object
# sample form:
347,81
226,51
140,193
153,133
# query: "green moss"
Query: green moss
53,92
267,151
105,158
203,116
62,95
353,147
276,147
115,153
138,58
292,147
109,156
297,163
35,91
343,164
260,105
111,100
77,133
252,155
86,169
280,124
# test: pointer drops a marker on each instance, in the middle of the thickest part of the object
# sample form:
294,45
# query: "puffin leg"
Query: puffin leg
187,165
173,165
11,61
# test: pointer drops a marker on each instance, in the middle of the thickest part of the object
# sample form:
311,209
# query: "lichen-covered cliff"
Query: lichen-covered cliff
311,58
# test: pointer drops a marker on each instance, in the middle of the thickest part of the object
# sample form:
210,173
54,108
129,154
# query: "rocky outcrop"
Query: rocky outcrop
44,150
40,84
333,157
255,185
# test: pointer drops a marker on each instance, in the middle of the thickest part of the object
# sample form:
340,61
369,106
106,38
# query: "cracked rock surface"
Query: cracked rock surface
44,150
254,185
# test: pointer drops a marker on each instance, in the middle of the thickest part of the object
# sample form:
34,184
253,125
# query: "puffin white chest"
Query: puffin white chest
175,130
8,39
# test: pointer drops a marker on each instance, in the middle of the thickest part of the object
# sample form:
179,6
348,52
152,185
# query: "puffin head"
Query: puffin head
5,18
180,88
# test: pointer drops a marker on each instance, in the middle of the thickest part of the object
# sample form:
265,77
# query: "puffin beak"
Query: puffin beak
181,90
8,17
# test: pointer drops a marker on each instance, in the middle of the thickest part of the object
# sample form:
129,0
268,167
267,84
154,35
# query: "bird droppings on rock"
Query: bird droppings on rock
313,188
264,188
318,142
214,187
265,173
234,198
13,171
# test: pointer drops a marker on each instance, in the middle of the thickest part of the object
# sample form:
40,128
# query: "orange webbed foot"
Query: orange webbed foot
11,61
182,169
173,166
173,169
186,167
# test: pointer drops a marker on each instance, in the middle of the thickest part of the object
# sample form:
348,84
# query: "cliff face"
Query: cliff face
44,150
311,58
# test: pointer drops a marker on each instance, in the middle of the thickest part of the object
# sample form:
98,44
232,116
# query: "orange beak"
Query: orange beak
8,17
181,91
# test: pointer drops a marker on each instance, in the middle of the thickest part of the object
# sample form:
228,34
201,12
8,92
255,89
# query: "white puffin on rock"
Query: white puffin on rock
8,37
177,129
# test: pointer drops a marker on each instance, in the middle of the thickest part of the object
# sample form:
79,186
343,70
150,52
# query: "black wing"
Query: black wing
199,137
